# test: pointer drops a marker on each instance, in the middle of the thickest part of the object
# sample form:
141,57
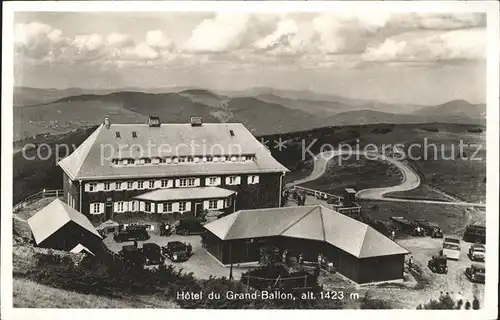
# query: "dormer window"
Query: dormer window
147,160
190,159
210,159
117,133
134,134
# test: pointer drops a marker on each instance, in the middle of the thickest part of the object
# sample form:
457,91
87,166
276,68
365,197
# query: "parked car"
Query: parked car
438,264
475,234
176,251
132,254
152,254
476,273
186,227
451,247
430,228
131,235
477,252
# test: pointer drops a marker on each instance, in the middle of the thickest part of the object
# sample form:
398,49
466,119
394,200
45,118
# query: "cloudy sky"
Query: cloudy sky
409,58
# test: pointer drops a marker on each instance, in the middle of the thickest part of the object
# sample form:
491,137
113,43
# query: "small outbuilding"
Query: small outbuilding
356,250
58,226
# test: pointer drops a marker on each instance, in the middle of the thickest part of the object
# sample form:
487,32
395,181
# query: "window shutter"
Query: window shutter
135,185
142,206
238,180
196,159
160,207
188,206
175,206
249,179
218,181
100,187
197,182
256,179
115,207
177,182
87,187
205,205
207,181
91,208
157,184
153,206
220,204
101,207
125,206
112,185
227,180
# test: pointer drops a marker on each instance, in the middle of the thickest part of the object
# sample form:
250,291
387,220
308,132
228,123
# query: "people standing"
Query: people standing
410,262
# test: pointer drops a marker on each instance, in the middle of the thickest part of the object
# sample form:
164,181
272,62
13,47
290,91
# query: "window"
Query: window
151,184
191,182
253,179
95,208
212,204
210,159
118,185
182,159
222,159
134,134
147,207
233,158
132,206
130,185
232,180
117,133
167,207
147,160
125,161
120,206
140,185
115,161
182,206
92,187
182,182
190,159
243,158
229,201
164,183
107,186
175,160
212,181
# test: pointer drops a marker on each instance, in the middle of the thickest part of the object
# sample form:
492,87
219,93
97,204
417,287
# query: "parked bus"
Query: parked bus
451,247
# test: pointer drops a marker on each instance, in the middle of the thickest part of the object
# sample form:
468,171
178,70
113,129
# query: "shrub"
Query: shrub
370,303
445,302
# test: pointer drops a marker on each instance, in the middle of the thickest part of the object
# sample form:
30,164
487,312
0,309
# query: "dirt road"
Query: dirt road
410,179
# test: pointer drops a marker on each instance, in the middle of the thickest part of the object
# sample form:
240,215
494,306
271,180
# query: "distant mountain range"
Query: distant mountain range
262,110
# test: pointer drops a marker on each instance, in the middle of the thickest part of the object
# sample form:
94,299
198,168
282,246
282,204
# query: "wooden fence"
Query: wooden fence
39,195
316,193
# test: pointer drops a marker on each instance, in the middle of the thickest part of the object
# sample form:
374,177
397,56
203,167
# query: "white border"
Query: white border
491,7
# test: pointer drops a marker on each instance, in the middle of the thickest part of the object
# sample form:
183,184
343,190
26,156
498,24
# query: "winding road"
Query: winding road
410,180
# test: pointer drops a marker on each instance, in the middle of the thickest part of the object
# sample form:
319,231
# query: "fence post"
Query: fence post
305,281
43,193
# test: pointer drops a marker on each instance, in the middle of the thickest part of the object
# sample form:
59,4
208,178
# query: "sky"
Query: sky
421,58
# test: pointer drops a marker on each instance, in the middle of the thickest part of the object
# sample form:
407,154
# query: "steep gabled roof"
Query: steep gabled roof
92,159
307,222
53,217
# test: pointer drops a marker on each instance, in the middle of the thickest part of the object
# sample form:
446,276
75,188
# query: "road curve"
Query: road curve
410,180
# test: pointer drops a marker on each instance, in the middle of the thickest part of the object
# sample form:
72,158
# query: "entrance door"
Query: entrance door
108,210
198,209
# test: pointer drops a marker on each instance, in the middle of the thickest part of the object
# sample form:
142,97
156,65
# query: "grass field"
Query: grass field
355,173
29,294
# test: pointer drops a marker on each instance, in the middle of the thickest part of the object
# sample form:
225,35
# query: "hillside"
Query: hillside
263,110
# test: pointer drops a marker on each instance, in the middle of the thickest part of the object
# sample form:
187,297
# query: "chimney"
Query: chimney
107,124
154,121
196,121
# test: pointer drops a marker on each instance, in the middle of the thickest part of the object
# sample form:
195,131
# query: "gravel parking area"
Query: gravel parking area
201,263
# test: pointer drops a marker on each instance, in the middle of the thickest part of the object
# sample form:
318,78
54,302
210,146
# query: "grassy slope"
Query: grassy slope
29,294
422,192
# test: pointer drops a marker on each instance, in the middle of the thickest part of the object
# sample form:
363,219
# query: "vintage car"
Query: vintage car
475,234
438,264
177,251
451,247
477,252
407,226
132,254
152,254
131,234
189,226
430,228
476,273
